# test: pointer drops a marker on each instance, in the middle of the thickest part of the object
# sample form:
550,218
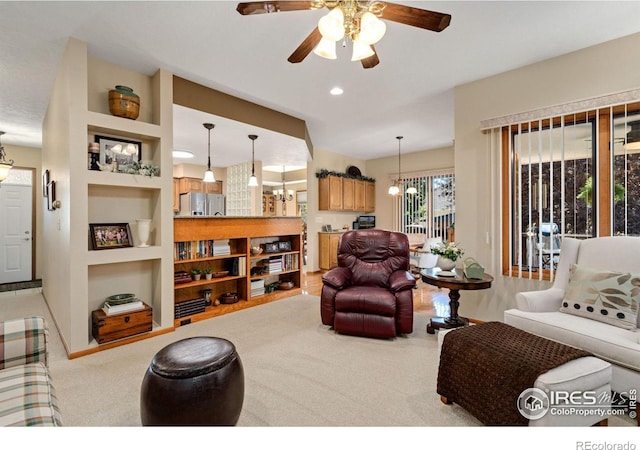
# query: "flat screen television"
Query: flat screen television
367,222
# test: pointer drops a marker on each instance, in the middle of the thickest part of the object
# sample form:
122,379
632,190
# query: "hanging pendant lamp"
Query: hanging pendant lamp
208,175
253,181
394,189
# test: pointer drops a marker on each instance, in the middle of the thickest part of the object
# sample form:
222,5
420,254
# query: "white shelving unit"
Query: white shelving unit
78,279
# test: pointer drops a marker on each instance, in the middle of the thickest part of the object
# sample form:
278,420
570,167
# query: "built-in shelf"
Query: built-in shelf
119,255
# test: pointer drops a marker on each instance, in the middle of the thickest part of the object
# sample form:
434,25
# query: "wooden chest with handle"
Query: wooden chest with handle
110,328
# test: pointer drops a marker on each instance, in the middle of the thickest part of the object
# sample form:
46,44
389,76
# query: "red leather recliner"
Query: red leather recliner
370,293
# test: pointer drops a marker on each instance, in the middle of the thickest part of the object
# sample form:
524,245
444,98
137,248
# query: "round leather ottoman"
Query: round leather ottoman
194,381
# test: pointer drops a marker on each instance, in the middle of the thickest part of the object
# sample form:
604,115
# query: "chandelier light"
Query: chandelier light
351,19
253,181
5,165
394,189
208,175
283,195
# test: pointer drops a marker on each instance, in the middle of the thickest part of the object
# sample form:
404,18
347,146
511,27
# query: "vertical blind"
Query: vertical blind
431,211
568,175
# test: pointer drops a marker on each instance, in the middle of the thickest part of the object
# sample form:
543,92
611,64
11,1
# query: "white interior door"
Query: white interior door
15,233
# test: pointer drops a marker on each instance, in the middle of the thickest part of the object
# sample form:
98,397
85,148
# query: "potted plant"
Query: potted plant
196,274
448,253
208,273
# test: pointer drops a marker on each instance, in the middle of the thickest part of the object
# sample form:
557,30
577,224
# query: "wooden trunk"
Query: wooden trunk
110,328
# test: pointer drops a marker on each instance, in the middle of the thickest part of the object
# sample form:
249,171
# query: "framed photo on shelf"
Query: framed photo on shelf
104,236
121,150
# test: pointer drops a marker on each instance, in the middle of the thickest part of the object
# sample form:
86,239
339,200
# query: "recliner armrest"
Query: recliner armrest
547,300
337,278
401,280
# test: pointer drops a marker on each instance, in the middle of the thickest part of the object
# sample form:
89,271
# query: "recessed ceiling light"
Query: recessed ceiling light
336,91
182,154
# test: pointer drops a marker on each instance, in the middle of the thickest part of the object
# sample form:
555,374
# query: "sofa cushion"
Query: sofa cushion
605,296
616,345
27,397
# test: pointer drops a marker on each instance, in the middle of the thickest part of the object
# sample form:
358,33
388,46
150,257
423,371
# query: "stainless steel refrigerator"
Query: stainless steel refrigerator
201,204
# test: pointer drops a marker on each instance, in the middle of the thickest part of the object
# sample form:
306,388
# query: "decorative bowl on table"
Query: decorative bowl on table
255,251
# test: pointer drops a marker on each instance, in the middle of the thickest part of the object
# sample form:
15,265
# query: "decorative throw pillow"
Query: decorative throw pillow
610,297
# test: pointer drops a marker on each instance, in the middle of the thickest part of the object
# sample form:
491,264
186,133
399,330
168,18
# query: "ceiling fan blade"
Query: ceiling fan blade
421,18
306,47
249,8
371,61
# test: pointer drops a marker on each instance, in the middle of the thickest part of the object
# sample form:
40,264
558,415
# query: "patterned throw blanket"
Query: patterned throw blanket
485,367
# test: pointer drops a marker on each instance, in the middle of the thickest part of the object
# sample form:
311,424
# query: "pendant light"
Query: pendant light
208,175
253,181
395,187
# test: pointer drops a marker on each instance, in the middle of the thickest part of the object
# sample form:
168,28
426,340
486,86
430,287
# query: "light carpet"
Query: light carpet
298,372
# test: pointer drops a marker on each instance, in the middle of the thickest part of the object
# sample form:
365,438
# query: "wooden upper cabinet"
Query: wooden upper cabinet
213,188
369,196
359,203
346,194
330,192
197,185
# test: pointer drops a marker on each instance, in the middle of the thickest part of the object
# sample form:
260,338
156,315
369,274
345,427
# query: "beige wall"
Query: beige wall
31,158
600,70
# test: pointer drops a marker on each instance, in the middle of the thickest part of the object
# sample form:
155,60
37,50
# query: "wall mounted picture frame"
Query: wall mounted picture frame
51,195
123,151
45,182
105,236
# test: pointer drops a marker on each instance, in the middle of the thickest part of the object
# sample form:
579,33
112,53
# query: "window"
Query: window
574,175
431,211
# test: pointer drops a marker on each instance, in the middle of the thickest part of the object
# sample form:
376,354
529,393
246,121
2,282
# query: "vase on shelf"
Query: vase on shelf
446,263
144,226
123,102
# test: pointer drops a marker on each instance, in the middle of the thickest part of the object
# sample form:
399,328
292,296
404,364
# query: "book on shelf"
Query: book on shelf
110,309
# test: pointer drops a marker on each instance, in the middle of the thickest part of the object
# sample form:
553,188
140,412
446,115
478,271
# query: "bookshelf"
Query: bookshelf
195,242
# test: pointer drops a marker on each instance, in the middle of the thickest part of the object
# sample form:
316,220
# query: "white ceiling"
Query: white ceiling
409,93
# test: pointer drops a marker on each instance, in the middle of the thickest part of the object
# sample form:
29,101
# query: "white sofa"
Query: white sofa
538,312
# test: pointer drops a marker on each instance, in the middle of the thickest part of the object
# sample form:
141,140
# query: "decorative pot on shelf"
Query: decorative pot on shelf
144,226
446,263
123,102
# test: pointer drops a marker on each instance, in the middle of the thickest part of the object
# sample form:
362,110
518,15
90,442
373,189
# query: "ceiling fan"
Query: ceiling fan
356,19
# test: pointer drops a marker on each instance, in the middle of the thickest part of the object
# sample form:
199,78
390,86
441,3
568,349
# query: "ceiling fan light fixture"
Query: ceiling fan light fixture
326,49
372,29
361,50
331,26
